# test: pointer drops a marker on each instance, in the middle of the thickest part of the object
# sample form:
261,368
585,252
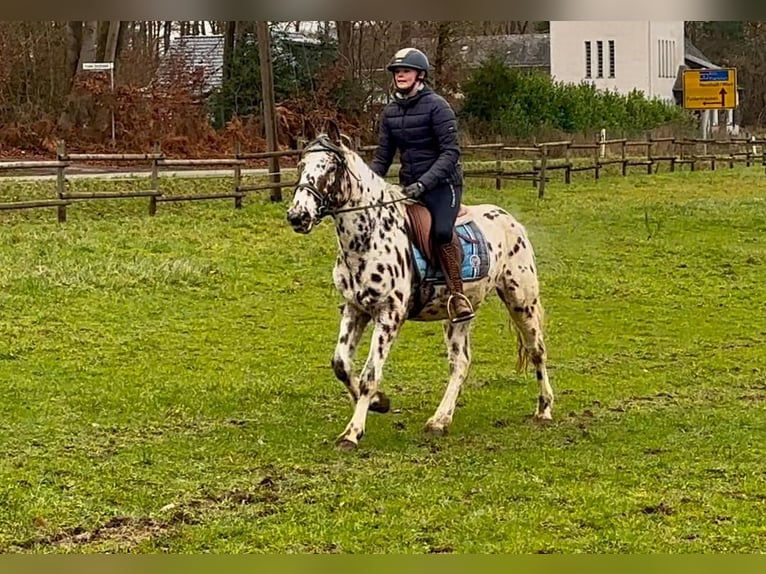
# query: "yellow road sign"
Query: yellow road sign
710,89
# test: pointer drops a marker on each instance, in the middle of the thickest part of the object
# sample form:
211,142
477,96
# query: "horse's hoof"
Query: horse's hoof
435,429
542,419
345,445
382,405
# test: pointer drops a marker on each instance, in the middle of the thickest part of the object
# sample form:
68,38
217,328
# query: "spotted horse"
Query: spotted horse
377,273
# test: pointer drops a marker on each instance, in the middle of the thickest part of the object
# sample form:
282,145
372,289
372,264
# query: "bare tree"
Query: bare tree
73,45
88,44
345,49
405,33
113,34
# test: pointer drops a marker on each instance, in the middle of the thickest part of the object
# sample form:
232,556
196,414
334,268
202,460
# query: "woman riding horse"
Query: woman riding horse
421,125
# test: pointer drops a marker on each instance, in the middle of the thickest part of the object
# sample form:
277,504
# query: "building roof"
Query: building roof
205,52
695,58
517,50
534,50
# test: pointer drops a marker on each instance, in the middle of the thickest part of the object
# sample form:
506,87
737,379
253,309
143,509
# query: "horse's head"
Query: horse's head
319,189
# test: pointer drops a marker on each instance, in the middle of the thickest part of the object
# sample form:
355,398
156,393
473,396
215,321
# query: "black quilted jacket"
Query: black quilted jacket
423,128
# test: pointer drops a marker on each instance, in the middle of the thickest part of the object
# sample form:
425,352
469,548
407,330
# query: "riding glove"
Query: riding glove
414,190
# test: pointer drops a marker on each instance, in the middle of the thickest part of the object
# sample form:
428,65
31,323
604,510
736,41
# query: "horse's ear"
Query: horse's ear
309,131
332,131
347,141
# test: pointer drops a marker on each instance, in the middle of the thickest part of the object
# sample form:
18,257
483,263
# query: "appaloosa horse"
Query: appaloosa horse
377,272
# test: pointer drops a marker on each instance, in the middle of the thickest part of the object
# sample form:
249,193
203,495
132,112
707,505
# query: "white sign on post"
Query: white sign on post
102,67
98,65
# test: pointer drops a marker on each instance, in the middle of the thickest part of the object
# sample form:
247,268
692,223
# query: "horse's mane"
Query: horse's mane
360,168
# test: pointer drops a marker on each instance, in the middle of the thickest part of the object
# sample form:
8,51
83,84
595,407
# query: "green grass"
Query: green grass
166,383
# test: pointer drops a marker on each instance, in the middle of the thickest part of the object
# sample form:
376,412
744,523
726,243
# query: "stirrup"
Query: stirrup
459,318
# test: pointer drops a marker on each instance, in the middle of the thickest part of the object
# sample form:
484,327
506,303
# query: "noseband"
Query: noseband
324,144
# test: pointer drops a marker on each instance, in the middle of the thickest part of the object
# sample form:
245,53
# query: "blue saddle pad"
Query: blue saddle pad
475,256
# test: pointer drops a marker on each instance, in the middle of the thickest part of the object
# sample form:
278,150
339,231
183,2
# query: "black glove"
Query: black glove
414,190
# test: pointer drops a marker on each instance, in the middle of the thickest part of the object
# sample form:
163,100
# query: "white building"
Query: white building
618,55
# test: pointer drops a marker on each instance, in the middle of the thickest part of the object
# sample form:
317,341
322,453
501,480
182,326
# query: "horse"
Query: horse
378,273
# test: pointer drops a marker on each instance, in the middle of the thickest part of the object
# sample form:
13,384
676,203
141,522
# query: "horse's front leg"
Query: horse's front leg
352,325
386,326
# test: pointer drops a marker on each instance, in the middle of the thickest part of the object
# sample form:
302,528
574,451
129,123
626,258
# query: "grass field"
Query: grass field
165,384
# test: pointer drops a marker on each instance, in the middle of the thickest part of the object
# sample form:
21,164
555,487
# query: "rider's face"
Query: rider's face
405,78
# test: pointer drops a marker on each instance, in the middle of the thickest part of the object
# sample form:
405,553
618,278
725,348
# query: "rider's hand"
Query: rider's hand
414,190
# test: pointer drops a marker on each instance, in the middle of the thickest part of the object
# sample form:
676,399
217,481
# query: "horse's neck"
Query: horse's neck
365,231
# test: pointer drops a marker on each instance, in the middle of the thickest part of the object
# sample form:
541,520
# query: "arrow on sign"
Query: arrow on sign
723,96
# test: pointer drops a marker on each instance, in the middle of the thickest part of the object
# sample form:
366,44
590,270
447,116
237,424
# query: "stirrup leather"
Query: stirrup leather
459,318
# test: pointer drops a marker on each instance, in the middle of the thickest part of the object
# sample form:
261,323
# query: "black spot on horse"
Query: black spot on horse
340,371
372,292
399,260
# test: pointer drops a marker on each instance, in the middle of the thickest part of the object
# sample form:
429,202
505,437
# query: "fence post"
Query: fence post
596,165
649,160
237,176
673,155
543,165
624,150
155,180
568,168
499,168
61,180
602,139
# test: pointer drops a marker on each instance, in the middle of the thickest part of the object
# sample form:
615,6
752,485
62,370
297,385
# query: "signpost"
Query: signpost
710,89
103,67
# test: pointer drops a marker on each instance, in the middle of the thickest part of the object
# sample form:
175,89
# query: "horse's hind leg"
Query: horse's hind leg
526,313
457,339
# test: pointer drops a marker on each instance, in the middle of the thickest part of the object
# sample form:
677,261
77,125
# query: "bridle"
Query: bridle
324,144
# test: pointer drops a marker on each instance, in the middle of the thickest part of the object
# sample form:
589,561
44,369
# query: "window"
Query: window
588,73
666,50
600,56
611,58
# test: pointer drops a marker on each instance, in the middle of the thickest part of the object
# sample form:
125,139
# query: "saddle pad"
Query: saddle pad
475,256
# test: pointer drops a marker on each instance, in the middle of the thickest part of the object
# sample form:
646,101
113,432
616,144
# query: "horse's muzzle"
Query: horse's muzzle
300,220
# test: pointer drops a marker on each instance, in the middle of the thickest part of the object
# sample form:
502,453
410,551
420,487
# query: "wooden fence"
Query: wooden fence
501,162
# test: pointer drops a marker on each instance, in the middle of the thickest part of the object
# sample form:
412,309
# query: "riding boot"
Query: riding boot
459,308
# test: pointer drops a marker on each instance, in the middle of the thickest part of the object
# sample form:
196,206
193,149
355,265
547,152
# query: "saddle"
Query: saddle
419,219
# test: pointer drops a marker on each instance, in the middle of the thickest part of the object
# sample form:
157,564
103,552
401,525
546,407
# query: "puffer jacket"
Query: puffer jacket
423,128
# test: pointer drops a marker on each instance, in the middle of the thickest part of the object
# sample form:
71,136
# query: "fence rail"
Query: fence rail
501,161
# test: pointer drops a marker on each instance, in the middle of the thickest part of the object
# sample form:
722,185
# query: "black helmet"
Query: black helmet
411,58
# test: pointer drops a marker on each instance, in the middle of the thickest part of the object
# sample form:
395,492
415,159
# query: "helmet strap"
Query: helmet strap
409,92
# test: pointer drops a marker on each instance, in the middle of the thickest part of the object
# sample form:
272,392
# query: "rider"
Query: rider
422,126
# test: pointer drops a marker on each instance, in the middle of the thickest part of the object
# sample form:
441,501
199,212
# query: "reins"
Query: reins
324,144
